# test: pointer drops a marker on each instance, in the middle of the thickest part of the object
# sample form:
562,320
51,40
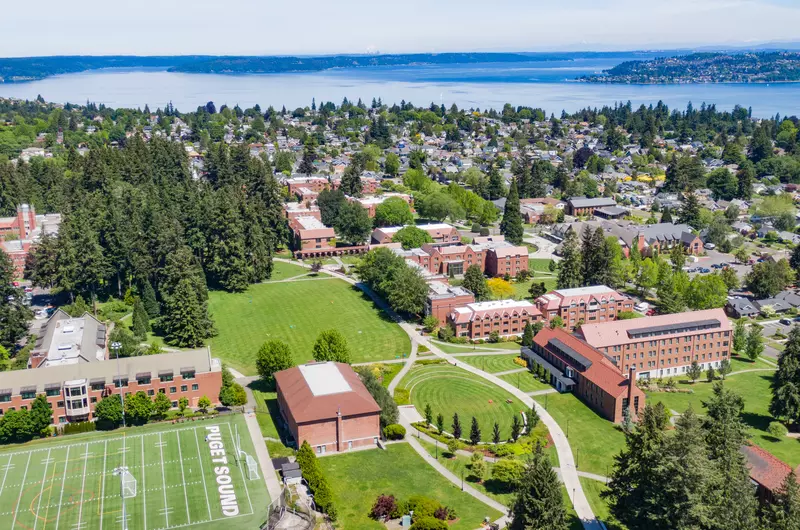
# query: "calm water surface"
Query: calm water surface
548,85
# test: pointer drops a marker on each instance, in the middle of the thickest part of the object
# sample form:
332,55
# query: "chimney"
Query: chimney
631,385
339,426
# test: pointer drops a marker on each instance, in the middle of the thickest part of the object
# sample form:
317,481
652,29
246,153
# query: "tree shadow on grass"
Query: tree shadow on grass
757,421
274,411
382,314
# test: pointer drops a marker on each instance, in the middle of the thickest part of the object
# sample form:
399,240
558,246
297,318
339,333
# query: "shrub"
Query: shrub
80,427
777,429
484,231
452,446
508,471
520,361
394,432
384,506
476,228
441,513
423,506
402,396
400,509
429,523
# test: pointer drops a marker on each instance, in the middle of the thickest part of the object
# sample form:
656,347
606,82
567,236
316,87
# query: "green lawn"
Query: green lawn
268,417
451,390
592,489
594,440
68,482
281,271
540,265
525,382
296,312
754,387
492,363
358,478
521,288
467,348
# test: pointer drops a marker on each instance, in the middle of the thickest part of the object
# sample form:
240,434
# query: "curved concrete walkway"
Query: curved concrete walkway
569,472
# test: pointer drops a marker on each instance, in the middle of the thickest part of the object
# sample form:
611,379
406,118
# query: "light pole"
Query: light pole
116,346
462,480
437,448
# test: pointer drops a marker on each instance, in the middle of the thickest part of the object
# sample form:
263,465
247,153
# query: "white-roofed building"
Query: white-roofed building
596,303
479,320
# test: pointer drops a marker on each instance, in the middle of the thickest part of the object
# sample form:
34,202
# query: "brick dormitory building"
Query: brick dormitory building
575,366
327,405
664,345
70,364
596,303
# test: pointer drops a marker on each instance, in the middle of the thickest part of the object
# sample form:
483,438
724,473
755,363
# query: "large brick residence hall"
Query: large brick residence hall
507,317
597,303
575,366
327,405
664,345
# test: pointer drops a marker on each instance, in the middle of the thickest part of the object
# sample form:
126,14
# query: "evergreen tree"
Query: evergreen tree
14,315
729,495
690,211
516,427
496,187
141,320
428,414
666,216
760,144
569,270
668,299
537,186
496,433
226,255
527,336
511,225
784,512
474,432
785,384
745,178
185,320
538,503
351,179
309,154
456,426
149,299
475,282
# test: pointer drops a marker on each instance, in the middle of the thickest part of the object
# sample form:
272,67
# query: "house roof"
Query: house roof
765,469
319,391
581,295
620,332
591,363
583,202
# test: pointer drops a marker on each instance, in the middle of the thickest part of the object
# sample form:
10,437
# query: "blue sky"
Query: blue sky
166,27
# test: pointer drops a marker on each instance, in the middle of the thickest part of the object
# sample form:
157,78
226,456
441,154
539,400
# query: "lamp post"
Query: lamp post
437,447
116,346
462,480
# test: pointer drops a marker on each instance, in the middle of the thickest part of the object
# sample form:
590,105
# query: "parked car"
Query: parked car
785,322
651,312
709,246
705,270
718,266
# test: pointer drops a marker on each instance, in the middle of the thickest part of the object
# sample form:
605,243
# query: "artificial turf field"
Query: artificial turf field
449,389
69,484
295,313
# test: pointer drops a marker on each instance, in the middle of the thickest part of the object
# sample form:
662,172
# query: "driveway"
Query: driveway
545,246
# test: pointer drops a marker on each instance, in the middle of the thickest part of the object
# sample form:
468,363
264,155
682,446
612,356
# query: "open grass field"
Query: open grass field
594,440
449,389
592,490
492,363
358,478
282,271
525,382
521,288
476,348
754,387
69,483
296,312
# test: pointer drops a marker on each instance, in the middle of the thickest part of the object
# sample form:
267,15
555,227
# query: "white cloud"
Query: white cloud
150,27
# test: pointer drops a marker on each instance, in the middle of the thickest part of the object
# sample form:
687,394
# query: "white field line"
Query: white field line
144,489
50,494
41,491
163,479
19,499
103,483
183,478
5,476
83,484
244,479
202,473
63,481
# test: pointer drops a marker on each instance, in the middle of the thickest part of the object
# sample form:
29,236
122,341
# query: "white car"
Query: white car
709,246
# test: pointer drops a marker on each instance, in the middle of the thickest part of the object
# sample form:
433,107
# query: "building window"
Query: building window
172,390
165,378
184,388
120,382
195,387
97,386
60,404
93,400
151,392
174,404
143,381
28,395
52,392
187,375
162,390
5,398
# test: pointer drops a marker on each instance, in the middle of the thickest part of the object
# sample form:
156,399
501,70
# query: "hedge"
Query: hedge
394,432
78,428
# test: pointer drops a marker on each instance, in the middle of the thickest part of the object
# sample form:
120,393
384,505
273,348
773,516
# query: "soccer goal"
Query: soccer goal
252,467
127,482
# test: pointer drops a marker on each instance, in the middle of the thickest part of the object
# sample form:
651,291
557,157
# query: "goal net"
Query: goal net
252,467
128,484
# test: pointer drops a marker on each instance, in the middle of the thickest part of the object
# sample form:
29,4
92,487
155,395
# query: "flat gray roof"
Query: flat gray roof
675,328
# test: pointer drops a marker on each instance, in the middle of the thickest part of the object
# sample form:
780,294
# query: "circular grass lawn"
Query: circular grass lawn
451,390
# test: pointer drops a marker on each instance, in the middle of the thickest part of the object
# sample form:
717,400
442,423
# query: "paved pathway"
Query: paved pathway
565,457
409,364
503,521
508,372
267,469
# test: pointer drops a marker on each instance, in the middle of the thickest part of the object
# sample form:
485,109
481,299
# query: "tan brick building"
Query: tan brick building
664,345
597,303
327,405
309,233
507,317
443,299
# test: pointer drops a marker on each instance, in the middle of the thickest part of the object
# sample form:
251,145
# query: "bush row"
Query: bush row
77,428
309,466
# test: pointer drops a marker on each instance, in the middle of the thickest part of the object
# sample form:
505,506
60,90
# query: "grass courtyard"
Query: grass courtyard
754,387
358,478
450,390
296,312
594,440
68,483
492,363
525,381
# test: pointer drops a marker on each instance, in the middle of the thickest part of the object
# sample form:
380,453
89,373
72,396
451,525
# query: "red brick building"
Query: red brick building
504,260
580,206
443,299
507,317
300,186
309,233
292,210
73,389
574,366
327,405
664,345
23,223
494,259
597,303
439,232
767,471
370,203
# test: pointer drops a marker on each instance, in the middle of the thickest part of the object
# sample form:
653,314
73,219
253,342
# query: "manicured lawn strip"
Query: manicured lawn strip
594,440
592,489
281,271
492,363
525,382
358,478
449,389
521,288
540,264
467,348
754,387
296,312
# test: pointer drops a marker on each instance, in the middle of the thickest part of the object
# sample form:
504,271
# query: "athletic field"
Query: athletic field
70,484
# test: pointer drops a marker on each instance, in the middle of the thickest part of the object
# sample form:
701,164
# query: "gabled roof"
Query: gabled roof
765,468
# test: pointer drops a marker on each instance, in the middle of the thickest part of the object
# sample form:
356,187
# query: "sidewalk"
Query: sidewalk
264,461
